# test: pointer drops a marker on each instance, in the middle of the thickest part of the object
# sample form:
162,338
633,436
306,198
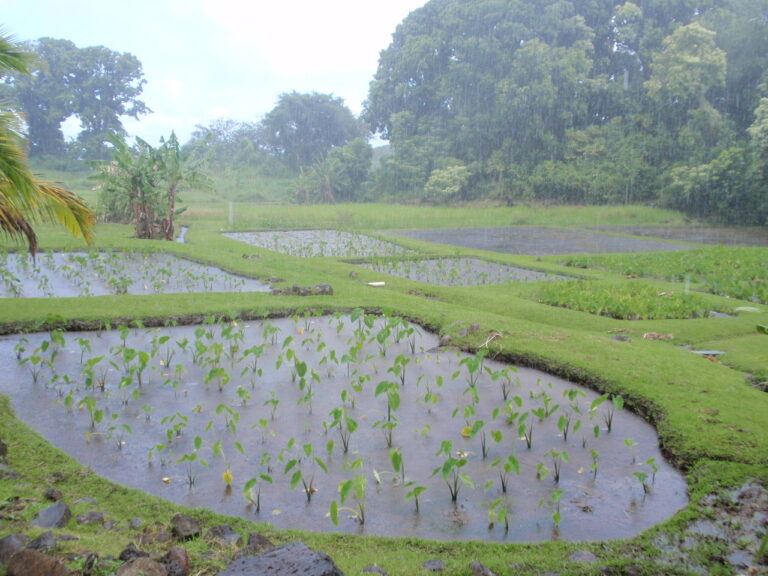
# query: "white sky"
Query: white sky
208,59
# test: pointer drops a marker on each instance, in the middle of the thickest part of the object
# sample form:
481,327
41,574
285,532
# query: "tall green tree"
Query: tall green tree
96,85
303,128
24,200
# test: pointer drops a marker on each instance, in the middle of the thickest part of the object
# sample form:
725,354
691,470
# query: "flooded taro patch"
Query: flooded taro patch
319,243
540,240
459,271
73,274
349,423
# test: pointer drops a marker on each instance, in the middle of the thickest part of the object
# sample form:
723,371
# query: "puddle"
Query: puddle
459,272
136,443
73,274
319,243
182,237
539,240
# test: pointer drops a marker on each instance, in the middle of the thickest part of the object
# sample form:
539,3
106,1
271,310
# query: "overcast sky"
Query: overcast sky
208,59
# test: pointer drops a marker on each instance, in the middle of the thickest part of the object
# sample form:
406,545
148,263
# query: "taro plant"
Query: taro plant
252,355
398,367
505,379
120,430
473,366
345,426
96,414
299,475
252,487
355,487
391,389
413,493
616,403
450,470
505,466
558,459
273,402
192,458
553,502
499,512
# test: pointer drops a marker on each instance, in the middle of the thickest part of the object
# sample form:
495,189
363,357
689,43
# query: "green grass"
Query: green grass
711,421
726,271
625,301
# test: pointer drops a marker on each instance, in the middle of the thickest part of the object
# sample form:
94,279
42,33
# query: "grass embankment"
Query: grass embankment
711,422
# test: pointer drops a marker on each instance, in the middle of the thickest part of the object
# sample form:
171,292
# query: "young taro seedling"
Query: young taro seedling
356,487
450,470
252,488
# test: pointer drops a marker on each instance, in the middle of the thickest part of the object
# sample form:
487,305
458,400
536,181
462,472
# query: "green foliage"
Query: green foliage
568,102
736,272
302,128
95,84
626,301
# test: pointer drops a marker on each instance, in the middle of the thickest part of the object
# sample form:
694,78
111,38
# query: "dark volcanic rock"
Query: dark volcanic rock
34,563
91,518
130,552
10,545
185,527
3,451
479,569
53,494
292,559
46,541
375,570
142,567
176,561
434,565
55,516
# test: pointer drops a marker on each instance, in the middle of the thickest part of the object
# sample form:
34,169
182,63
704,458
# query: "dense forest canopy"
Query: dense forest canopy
579,101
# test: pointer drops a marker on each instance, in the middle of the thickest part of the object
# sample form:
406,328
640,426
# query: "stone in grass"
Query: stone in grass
142,567
176,561
479,569
3,451
185,527
375,570
90,518
434,565
33,563
53,494
46,541
55,516
257,544
10,545
295,558
223,534
582,556
130,552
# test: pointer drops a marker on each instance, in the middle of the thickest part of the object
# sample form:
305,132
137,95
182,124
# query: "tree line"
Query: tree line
553,101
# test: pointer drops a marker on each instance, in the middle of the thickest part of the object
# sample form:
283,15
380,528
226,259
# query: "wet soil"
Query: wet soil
95,274
459,272
146,431
319,243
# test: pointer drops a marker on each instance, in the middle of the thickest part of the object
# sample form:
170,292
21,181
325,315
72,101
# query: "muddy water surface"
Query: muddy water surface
145,430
